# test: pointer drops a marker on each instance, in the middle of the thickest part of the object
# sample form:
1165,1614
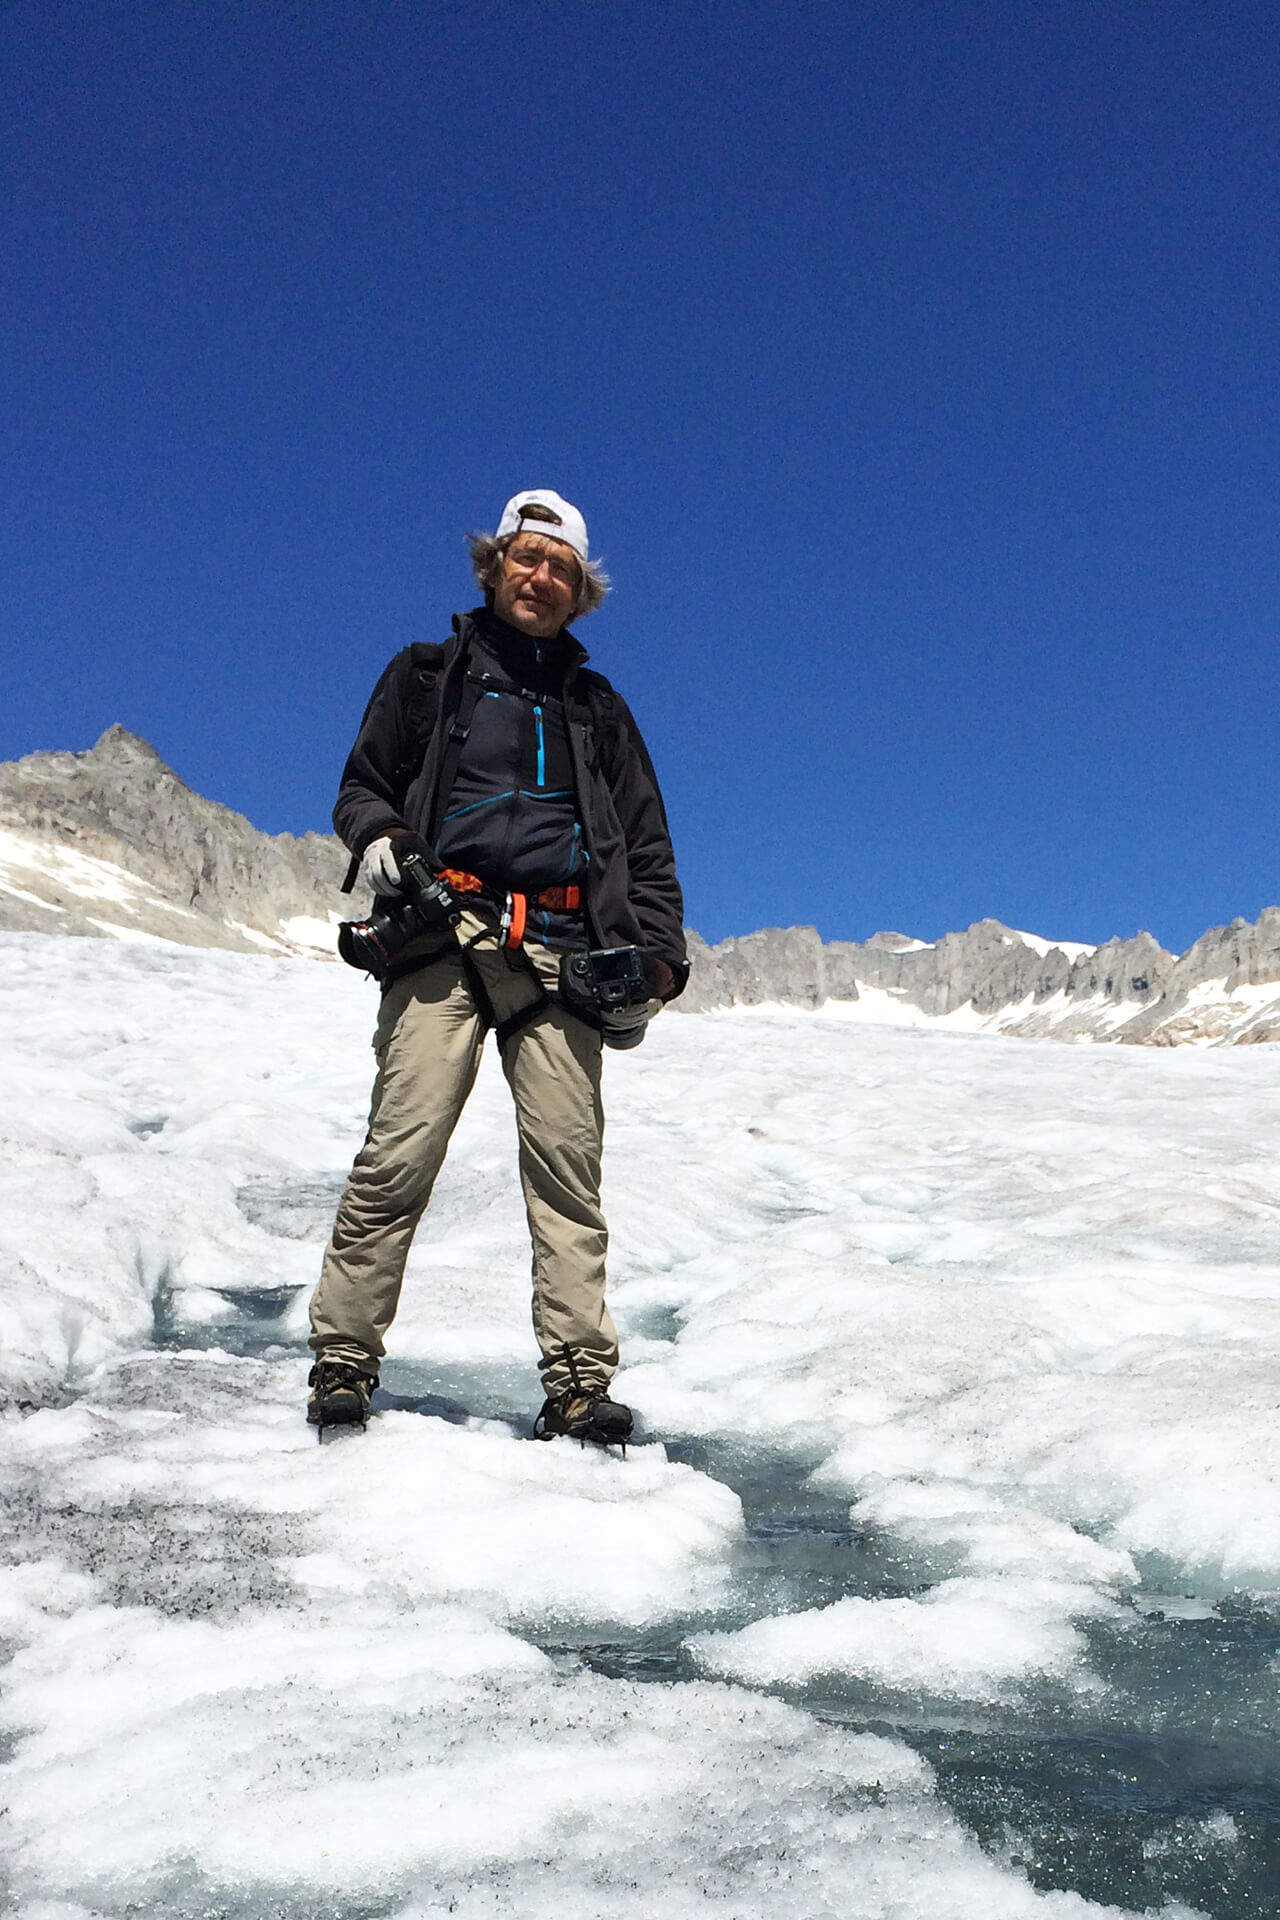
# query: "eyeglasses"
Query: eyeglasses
529,559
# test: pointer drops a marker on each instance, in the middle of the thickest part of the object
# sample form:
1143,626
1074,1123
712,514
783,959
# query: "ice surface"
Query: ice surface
1006,1618
236,1662
430,1509
430,1758
1010,1308
965,1639
1049,1277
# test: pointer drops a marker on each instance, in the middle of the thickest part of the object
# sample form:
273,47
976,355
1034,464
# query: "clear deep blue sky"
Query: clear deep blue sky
915,367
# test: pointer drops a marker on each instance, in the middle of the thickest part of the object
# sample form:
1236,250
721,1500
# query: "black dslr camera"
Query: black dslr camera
608,987
425,906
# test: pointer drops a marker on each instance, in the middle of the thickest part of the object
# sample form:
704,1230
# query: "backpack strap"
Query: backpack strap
421,708
605,726
473,685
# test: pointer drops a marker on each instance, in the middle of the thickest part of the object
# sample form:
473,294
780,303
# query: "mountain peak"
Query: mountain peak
119,745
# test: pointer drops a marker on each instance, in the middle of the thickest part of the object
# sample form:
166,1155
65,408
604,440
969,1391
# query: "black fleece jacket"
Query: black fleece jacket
512,815
631,894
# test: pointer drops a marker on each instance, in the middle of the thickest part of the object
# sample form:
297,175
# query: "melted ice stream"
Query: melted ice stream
951,1586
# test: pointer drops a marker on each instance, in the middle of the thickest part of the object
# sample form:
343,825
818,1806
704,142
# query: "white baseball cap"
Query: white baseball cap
558,520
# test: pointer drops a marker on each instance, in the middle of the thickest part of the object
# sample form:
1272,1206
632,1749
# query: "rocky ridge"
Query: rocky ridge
1225,988
112,842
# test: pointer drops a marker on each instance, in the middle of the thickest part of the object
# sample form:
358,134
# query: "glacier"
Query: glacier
945,1579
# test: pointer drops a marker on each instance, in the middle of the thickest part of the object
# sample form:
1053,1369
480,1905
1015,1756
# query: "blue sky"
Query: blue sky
915,367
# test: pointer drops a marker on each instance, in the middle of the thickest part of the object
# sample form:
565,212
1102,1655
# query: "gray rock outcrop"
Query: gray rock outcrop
1242,954
776,966
988,967
1130,990
120,843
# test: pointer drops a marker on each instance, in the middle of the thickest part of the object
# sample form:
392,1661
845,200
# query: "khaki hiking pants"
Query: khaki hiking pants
428,1042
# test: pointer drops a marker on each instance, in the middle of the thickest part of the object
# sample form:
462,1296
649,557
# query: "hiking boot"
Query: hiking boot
585,1413
340,1394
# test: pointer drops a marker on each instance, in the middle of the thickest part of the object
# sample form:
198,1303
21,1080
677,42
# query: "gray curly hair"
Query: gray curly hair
488,553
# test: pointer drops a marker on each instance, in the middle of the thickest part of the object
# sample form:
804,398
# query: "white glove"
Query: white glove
378,868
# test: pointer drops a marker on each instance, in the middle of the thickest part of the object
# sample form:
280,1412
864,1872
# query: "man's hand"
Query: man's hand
662,980
378,868
627,1027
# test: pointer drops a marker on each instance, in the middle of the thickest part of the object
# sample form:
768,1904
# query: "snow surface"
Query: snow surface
1013,1307
85,875
71,872
309,931
892,1007
1073,949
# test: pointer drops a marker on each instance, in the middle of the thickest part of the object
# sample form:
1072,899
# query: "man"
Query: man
503,789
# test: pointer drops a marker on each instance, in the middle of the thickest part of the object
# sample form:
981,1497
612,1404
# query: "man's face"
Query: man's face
538,585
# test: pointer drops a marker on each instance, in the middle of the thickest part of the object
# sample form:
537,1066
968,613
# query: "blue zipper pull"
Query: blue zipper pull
542,754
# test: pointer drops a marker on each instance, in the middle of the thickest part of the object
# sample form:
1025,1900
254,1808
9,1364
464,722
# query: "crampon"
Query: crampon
340,1395
586,1414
